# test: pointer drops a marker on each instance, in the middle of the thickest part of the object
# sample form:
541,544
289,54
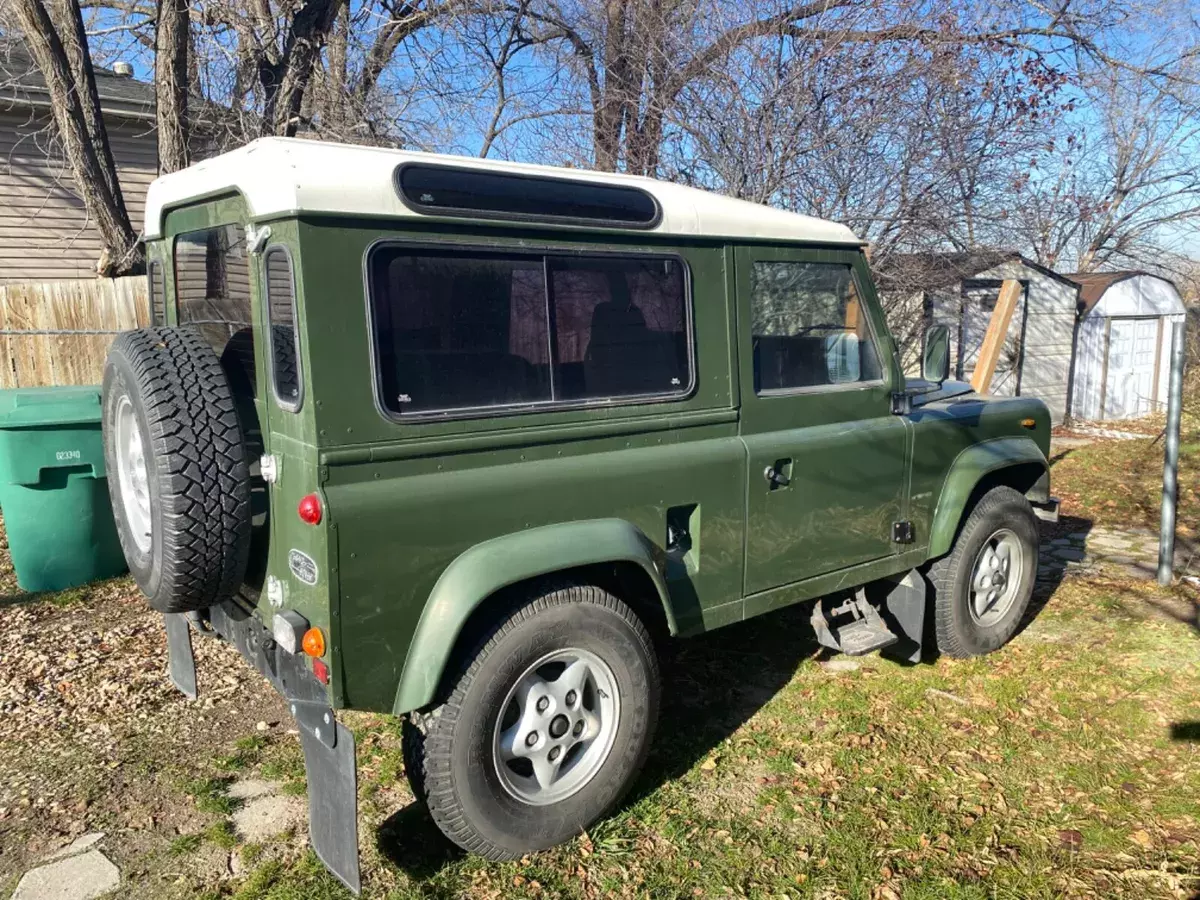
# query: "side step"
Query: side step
853,628
886,615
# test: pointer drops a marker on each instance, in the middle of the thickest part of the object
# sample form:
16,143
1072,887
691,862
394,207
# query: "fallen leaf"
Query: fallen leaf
1071,838
1141,838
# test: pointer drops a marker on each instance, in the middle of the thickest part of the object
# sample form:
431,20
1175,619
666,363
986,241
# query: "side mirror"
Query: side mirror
935,366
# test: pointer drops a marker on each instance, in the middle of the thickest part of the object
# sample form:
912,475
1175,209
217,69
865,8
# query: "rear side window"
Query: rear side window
809,328
158,299
212,286
281,309
462,330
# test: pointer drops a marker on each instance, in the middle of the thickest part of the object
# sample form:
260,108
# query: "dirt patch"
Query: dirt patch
92,734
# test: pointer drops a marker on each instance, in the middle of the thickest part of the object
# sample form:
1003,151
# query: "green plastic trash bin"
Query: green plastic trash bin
52,489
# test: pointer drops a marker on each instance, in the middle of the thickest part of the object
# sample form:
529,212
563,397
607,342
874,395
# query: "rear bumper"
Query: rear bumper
328,746
1047,511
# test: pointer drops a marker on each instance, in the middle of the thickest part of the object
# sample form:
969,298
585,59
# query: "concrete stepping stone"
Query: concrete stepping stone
82,876
77,846
264,813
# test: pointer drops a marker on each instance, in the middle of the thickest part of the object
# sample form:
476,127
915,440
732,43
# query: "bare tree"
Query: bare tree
171,44
60,50
1120,185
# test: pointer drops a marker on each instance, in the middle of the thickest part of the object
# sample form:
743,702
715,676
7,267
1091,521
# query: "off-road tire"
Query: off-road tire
197,472
449,749
957,634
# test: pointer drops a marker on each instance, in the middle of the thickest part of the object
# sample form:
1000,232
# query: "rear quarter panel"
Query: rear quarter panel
406,499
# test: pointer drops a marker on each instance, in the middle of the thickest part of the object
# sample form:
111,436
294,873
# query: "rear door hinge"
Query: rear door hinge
256,238
902,532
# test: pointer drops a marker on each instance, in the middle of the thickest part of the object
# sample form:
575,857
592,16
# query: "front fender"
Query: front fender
486,568
972,465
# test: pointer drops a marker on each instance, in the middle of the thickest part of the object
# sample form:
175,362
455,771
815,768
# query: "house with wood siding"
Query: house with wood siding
45,233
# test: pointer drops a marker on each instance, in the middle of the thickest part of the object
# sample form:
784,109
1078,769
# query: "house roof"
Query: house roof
22,84
934,271
285,176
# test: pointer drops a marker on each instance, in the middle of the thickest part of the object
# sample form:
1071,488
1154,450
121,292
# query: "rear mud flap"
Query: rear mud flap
329,762
333,803
182,660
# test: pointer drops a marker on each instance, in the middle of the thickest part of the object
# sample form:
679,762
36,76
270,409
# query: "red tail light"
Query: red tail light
321,671
310,509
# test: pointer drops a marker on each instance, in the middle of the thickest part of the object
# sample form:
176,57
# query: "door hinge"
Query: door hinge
268,467
256,238
902,532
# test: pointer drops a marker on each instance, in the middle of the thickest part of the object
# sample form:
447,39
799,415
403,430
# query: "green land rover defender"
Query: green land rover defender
464,441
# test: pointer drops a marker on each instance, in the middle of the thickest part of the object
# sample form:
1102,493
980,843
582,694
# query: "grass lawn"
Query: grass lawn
1065,765
1119,483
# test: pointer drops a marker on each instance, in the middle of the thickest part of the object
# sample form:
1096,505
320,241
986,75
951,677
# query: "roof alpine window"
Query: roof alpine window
443,190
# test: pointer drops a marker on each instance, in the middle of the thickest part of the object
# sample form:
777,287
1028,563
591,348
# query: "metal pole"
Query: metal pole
1166,533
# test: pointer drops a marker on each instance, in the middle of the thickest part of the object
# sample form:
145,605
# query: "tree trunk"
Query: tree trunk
171,84
86,146
74,40
285,82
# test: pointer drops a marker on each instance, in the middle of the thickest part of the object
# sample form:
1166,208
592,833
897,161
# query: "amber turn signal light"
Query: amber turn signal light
310,509
1029,423
314,643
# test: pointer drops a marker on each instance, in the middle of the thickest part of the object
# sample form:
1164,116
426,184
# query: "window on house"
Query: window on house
809,328
281,309
460,330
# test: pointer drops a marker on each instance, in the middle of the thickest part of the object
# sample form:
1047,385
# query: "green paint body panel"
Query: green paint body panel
424,521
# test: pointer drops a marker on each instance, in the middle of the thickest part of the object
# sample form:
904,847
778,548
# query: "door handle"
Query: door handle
776,477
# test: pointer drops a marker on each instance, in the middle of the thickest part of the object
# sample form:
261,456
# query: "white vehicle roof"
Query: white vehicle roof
286,176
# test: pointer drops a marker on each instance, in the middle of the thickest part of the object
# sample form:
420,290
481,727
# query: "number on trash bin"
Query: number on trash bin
62,455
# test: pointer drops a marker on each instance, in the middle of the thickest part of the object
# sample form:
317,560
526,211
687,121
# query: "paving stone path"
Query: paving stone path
81,871
1133,550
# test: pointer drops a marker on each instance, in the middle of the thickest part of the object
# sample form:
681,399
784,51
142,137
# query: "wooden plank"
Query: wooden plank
993,341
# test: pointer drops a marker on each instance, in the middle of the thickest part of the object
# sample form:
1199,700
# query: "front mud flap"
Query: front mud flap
333,801
904,612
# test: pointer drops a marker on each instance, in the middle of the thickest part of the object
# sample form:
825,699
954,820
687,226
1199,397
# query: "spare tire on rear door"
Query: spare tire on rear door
177,468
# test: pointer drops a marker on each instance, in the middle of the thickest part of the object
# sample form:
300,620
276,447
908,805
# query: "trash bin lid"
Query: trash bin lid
49,406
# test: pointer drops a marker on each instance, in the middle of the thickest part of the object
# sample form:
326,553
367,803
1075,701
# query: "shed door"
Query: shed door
1128,391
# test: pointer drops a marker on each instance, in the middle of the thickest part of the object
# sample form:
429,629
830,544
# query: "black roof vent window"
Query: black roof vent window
444,190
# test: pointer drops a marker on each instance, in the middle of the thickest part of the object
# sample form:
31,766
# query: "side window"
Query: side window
158,298
281,311
212,286
620,327
459,330
808,327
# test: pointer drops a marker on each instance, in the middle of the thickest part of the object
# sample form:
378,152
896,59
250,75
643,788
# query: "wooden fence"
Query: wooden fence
58,332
